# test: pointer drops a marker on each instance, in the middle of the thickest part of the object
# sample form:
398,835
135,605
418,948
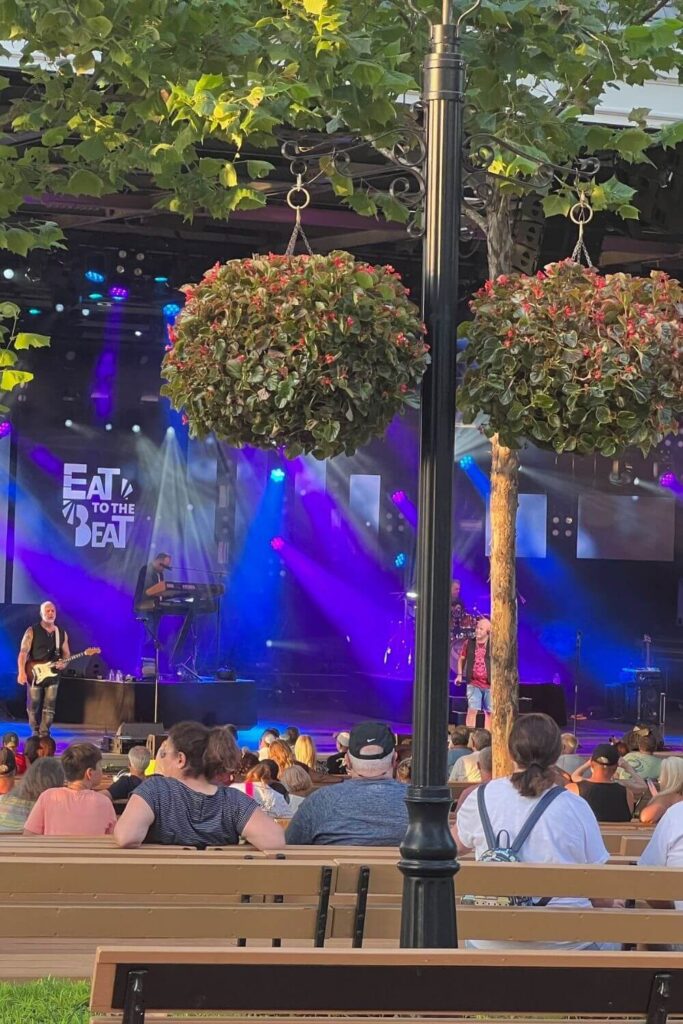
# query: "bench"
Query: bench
293,985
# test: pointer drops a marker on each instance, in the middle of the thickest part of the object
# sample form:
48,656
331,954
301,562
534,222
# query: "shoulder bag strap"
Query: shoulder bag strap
538,811
485,820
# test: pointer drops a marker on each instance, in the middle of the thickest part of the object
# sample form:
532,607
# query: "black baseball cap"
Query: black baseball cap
605,754
371,734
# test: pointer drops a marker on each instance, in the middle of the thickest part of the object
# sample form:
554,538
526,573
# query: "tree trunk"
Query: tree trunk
503,514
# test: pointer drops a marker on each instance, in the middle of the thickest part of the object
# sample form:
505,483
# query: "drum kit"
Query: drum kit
399,652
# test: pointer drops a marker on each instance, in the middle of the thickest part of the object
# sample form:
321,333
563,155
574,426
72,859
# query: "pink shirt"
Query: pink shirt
72,812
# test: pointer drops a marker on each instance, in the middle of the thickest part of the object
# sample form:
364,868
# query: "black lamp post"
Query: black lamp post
428,851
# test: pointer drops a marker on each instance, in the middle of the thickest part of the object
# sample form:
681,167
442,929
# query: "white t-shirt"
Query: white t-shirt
665,849
567,833
466,768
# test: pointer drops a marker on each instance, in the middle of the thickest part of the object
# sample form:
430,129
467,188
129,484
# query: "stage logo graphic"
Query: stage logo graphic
97,505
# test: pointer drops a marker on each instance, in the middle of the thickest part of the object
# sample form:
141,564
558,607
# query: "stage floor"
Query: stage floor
321,725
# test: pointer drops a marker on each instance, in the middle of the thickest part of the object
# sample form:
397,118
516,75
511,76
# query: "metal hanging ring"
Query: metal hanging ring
303,200
581,212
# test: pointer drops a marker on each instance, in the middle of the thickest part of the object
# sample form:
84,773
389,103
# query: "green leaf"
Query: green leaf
84,183
602,414
259,168
10,379
555,205
364,279
100,26
26,340
228,176
19,241
9,310
314,6
7,358
671,135
628,212
631,143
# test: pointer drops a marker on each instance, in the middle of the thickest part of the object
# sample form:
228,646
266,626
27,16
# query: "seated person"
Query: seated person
458,744
486,772
643,760
466,769
11,741
76,809
665,850
299,785
15,807
257,785
138,761
565,833
670,791
608,798
184,807
8,771
336,763
32,749
569,760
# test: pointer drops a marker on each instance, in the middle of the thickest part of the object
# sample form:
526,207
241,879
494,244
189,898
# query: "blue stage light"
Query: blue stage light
161,280
466,462
95,296
277,475
400,560
94,276
34,311
170,310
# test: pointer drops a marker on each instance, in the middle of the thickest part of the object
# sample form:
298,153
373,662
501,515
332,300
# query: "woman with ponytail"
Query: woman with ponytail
566,832
184,805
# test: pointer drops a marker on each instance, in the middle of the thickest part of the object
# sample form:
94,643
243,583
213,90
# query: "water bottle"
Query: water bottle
119,676
111,675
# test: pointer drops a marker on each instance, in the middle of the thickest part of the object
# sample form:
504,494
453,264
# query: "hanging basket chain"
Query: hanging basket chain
298,199
581,214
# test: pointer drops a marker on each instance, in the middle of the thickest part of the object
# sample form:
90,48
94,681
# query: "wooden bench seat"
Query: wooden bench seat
285,984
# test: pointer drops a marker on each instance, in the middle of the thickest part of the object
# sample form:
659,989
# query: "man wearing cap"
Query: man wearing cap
367,809
609,799
336,763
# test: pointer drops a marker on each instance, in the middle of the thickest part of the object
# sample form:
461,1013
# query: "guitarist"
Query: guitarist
44,641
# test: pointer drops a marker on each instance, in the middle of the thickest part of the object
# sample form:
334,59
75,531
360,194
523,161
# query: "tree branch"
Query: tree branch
478,219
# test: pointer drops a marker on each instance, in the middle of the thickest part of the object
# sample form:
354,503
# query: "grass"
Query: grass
49,1001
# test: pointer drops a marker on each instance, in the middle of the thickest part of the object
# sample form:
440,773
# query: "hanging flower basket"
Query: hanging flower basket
315,354
574,361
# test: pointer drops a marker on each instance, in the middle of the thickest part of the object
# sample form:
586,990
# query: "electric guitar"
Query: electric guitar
39,672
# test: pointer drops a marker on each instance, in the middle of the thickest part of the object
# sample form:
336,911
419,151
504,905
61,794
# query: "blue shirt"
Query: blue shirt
357,812
184,817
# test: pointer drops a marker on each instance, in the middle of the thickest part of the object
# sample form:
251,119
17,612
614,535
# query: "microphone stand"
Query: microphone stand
577,672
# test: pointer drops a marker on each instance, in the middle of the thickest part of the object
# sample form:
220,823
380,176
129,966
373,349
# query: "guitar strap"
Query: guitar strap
58,643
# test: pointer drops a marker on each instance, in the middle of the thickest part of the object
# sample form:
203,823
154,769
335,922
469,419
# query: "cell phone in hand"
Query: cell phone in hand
651,786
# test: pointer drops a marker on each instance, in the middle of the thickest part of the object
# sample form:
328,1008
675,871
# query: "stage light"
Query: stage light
68,423
636,481
400,560
94,276
95,296
277,475
170,310
85,312
277,543
161,280
122,254
667,480
135,428
138,334
8,273
59,307
139,256
5,429
466,462
118,293
398,496
108,426
411,595
33,311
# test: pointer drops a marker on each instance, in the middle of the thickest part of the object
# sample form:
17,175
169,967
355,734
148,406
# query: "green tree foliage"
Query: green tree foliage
129,92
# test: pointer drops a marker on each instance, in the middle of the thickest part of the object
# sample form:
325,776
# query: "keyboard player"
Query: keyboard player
150,584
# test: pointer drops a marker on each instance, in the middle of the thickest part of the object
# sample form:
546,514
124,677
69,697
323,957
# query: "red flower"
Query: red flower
568,311
586,352
502,279
403,388
597,375
329,358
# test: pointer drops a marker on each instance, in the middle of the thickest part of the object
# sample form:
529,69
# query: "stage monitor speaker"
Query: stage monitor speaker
133,734
154,741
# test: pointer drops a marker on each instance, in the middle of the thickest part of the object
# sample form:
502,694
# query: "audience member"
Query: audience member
76,809
369,809
643,760
8,770
248,762
47,746
275,776
566,832
608,799
486,772
229,766
305,752
336,763
290,735
32,749
458,745
232,729
257,785
281,753
45,773
670,791
299,785
182,807
138,760
264,743
665,849
11,741
466,769
569,760
404,771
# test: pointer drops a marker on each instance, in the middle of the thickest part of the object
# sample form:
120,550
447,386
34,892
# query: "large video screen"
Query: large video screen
630,527
531,526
